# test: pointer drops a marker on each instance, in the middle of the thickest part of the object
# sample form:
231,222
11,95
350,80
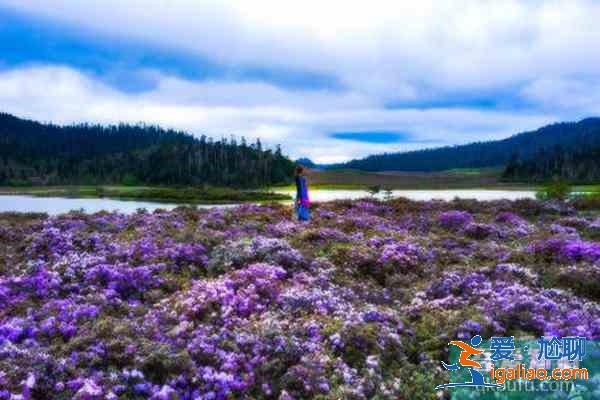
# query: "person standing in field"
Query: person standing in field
302,201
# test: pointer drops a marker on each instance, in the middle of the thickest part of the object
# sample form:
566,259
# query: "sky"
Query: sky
329,80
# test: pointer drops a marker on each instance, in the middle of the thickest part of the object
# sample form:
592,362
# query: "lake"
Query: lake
59,205
479,194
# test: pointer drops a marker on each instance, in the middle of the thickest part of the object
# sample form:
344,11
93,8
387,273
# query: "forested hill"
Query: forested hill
577,165
524,146
31,152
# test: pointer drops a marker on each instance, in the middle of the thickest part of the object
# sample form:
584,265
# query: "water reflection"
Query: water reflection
58,205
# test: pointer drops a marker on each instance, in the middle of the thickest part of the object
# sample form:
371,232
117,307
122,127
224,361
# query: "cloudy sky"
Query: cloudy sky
330,80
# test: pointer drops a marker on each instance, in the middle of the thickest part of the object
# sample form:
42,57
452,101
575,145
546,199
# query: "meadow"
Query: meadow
451,179
173,194
247,302
460,178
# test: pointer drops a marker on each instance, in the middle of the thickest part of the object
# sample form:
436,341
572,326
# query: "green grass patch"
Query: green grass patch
150,193
467,178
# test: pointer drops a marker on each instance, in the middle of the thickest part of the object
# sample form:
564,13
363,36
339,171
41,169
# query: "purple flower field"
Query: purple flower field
359,303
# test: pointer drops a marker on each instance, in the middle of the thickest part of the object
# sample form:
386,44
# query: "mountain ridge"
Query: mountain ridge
525,146
36,153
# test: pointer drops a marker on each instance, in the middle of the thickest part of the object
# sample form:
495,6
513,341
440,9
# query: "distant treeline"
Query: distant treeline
578,165
570,137
35,153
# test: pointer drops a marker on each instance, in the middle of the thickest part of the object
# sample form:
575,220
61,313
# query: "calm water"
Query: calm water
479,194
57,205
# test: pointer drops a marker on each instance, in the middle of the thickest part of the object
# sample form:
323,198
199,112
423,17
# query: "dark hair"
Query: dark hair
299,170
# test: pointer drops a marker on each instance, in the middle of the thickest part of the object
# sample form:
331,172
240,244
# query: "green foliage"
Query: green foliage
191,194
132,155
374,190
589,201
361,341
558,190
579,279
212,195
130,180
579,163
19,183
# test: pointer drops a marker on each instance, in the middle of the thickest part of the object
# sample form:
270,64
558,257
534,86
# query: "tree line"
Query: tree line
568,136
37,153
576,165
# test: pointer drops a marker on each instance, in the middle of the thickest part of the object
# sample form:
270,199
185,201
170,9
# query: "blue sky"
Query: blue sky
330,81
33,40
376,137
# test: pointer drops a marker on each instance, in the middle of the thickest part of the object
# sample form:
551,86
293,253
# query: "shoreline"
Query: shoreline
154,194
226,196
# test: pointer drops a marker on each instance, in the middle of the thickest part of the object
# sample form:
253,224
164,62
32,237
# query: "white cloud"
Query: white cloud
573,97
538,55
384,50
299,120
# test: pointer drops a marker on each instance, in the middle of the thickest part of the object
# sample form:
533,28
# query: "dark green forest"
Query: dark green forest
572,138
575,165
36,153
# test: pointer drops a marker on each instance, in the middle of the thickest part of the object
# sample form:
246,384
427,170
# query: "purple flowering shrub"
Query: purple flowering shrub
455,219
558,229
354,258
240,294
575,222
325,235
513,225
248,303
402,258
568,249
236,254
511,307
480,230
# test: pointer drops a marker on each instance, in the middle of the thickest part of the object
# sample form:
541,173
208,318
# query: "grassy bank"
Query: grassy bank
318,180
484,178
347,179
149,193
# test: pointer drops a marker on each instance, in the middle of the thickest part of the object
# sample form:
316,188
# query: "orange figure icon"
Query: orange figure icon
467,352
465,361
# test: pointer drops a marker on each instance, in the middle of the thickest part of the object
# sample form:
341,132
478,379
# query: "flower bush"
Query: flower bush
358,303
567,248
455,219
